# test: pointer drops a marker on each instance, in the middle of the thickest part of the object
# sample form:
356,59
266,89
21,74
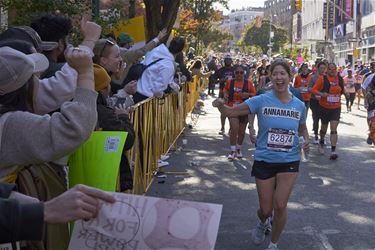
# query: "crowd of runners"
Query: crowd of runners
280,93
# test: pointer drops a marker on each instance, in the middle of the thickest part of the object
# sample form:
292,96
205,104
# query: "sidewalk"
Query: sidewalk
317,211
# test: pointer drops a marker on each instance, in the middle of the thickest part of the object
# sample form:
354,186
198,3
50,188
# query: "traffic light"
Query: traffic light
298,5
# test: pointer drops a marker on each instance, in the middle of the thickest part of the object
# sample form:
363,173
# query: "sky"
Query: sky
238,4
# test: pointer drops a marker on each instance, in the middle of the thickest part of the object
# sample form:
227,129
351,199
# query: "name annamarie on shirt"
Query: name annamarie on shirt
282,113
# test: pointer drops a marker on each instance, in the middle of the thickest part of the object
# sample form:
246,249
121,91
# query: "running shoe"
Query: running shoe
239,154
222,131
269,222
316,140
321,149
333,156
232,155
259,233
272,247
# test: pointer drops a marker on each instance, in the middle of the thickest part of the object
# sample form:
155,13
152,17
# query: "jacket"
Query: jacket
131,56
109,121
52,92
19,221
27,138
156,78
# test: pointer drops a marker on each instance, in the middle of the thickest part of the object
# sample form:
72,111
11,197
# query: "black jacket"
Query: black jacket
19,221
109,121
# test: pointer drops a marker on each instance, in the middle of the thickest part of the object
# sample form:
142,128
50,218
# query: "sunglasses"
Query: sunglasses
107,42
239,72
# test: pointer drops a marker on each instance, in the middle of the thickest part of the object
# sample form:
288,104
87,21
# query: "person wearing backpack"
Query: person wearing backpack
159,70
329,88
235,92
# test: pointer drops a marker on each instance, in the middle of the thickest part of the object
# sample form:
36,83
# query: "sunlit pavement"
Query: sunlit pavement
332,205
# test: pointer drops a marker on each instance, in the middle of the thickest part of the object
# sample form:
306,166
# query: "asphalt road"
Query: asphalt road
332,205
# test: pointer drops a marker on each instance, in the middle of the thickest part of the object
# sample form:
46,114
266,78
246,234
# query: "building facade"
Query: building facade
337,43
280,12
237,20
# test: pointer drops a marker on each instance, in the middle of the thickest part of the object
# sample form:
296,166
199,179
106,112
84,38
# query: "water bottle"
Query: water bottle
304,154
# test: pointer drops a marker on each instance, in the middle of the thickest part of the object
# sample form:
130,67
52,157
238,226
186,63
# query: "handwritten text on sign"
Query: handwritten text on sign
140,222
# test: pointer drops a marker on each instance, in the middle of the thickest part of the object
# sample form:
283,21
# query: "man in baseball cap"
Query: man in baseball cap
27,34
16,68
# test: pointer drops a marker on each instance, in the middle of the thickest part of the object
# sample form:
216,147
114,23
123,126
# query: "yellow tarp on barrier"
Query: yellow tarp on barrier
135,27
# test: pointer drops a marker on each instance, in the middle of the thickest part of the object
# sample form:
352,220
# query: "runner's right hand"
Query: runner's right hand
218,102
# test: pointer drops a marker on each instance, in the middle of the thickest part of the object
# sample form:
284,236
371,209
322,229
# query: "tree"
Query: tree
201,17
160,14
254,36
216,38
23,12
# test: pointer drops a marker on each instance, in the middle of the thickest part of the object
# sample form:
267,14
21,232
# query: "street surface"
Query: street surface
332,205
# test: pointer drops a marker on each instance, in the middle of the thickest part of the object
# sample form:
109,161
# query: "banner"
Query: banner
338,31
96,163
141,222
348,9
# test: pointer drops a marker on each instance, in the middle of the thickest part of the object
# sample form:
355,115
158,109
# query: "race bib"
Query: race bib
304,89
333,98
280,139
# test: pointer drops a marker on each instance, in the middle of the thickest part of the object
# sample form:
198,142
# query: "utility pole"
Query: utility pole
355,42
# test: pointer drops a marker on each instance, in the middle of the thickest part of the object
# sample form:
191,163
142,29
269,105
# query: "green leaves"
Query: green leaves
259,37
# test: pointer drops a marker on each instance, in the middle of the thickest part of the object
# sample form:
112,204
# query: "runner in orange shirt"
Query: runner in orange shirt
235,92
330,88
302,83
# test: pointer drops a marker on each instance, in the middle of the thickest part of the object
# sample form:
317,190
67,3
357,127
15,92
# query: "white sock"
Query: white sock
238,147
232,147
272,244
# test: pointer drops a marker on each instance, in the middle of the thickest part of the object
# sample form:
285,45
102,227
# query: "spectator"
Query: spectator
156,78
190,54
132,56
196,69
80,202
78,117
51,92
114,119
53,28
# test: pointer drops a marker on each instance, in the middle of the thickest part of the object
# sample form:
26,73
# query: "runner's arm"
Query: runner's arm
239,110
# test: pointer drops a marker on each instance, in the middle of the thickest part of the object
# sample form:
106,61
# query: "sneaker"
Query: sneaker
164,157
269,222
316,140
321,149
239,154
222,131
272,247
259,233
232,155
333,156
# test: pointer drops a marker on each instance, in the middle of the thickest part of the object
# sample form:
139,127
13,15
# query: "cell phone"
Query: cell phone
128,101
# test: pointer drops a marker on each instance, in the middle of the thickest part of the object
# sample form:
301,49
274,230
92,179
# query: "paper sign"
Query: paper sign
140,222
96,163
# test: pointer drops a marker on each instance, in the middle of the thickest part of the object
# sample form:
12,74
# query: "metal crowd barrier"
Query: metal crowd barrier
157,124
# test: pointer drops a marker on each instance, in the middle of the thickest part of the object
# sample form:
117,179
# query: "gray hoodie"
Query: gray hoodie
27,138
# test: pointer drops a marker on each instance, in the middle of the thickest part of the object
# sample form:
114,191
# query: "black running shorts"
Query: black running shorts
264,170
327,115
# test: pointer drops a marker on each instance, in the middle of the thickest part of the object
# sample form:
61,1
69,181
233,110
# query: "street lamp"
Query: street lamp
269,52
